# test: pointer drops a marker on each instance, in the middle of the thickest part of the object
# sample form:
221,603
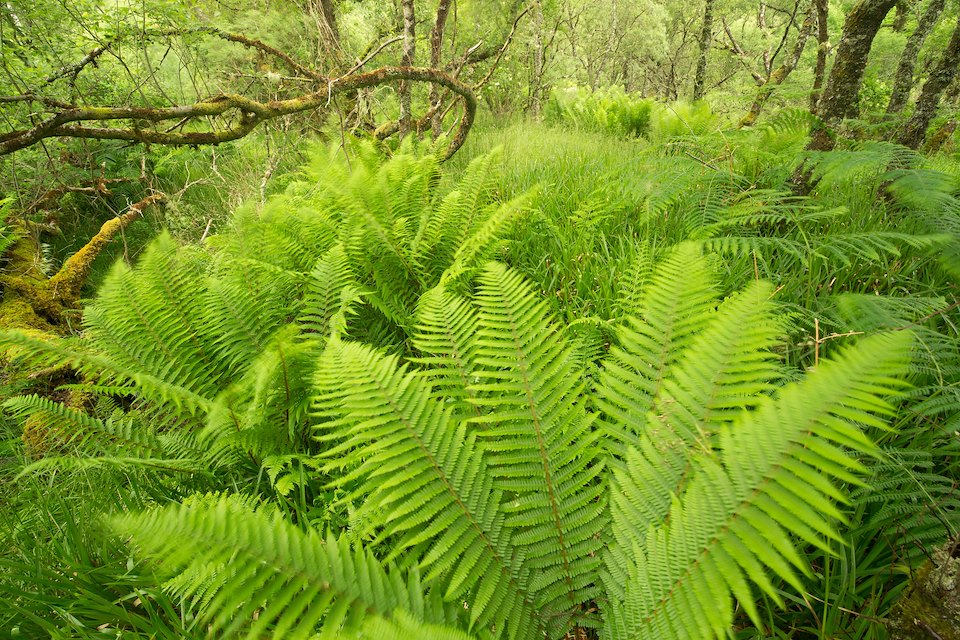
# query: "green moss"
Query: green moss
932,603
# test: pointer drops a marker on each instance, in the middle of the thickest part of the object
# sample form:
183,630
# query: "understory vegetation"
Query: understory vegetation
529,341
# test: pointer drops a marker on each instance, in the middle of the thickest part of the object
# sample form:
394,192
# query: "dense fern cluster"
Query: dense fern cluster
355,411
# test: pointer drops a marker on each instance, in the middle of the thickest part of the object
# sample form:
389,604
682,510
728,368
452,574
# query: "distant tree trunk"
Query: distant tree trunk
436,54
706,37
539,60
823,49
903,79
407,58
929,101
900,18
779,75
329,12
840,97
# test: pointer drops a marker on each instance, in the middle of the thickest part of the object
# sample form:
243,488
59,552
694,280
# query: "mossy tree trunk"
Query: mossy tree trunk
436,54
34,302
706,38
930,607
407,58
822,8
839,99
915,131
903,78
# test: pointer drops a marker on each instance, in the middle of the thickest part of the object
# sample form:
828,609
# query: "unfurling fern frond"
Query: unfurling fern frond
270,575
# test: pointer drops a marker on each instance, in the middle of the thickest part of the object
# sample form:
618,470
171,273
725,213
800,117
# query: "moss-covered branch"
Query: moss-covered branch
250,113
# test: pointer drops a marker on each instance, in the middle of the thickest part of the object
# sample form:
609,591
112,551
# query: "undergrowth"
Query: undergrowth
568,383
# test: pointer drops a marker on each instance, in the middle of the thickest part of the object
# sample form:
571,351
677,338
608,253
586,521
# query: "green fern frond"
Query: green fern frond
330,283
274,577
446,335
675,307
151,319
123,380
76,428
771,474
540,441
425,479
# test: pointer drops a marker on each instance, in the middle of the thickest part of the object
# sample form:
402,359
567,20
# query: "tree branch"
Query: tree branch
64,123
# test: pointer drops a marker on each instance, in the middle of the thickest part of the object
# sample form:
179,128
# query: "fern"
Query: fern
310,580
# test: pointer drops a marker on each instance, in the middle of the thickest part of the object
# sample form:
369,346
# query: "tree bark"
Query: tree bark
539,60
903,79
823,50
706,37
915,130
840,97
407,60
779,75
436,54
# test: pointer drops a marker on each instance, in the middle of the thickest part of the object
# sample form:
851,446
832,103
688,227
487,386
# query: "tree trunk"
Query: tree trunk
779,75
822,8
539,60
930,607
706,37
929,101
436,54
903,80
840,97
326,11
407,60
31,300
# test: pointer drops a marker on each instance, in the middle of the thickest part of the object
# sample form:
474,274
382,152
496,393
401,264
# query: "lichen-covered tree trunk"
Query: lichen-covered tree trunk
706,37
903,78
32,301
822,8
840,96
930,607
915,130
780,74
407,58
436,53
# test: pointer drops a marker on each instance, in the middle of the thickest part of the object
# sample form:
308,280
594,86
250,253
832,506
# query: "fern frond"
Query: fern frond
771,475
675,307
76,428
446,335
123,379
274,577
540,439
329,280
151,319
728,367
425,479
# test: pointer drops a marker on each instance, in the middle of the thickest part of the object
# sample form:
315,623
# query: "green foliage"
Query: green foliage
615,432
609,110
